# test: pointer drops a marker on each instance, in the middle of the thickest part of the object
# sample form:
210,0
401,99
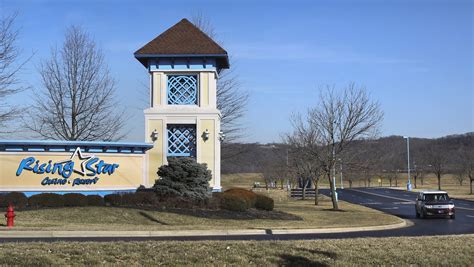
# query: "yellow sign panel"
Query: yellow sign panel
75,171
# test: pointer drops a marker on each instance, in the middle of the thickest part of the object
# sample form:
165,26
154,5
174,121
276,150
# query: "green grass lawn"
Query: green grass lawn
396,251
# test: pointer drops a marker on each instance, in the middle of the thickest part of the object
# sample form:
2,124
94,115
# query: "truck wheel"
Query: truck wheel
453,216
417,214
422,214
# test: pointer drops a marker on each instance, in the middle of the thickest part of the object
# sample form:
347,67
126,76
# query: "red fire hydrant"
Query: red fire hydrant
10,215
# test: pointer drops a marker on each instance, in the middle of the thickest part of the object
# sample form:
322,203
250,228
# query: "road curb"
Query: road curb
190,233
401,224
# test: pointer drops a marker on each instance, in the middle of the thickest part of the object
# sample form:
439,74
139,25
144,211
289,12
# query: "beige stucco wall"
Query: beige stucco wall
206,149
155,155
157,87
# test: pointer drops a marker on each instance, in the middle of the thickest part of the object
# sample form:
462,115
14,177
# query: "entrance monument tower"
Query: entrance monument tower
183,119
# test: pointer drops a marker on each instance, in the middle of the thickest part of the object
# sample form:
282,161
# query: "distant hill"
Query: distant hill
384,153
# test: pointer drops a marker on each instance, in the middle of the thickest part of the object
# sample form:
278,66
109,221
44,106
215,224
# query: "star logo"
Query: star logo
85,160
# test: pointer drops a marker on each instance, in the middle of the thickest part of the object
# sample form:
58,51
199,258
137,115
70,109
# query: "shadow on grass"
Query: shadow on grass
151,218
292,260
296,260
338,210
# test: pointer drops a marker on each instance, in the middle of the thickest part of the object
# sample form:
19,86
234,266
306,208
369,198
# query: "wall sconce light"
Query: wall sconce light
154,135
205,135
221,136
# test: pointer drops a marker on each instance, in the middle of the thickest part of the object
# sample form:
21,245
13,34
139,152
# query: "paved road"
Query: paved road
396,202
401,203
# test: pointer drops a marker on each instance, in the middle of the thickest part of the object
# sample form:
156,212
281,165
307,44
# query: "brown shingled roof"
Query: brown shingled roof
183,39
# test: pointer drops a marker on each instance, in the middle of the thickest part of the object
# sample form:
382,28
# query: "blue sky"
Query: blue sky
414,57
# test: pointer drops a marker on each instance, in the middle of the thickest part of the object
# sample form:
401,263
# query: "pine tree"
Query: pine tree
183,177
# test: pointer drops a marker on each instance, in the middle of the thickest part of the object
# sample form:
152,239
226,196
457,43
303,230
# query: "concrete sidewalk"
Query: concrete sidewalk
12,233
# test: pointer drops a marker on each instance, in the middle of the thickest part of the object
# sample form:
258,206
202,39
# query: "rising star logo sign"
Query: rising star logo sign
88,166
85,160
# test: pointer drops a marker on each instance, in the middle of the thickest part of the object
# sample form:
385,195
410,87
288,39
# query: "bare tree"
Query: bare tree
436,160
460,175
268,175
232,99
78,97
9,68
305,153
418,173
467,162
389,175
339,119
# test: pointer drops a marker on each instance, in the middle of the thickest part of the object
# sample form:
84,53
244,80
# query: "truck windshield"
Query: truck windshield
436,197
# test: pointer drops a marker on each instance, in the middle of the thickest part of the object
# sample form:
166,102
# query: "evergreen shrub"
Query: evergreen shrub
233,202
183,178
249,196
264,203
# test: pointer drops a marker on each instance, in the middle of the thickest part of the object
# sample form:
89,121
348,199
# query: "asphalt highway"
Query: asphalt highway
397,202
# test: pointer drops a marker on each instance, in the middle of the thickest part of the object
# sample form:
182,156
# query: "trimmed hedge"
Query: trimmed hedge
17,199
46,200
74,200
238,199
113,200
146,198
264,203
95,200
235,199
249,196
233,202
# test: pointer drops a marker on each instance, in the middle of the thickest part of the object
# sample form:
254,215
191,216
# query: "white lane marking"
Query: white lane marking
470,216
371,203
394,208
403,203
397,198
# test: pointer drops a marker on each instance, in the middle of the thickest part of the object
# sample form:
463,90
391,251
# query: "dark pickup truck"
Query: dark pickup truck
434,203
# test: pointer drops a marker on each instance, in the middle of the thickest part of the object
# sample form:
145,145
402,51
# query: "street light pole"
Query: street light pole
408,161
